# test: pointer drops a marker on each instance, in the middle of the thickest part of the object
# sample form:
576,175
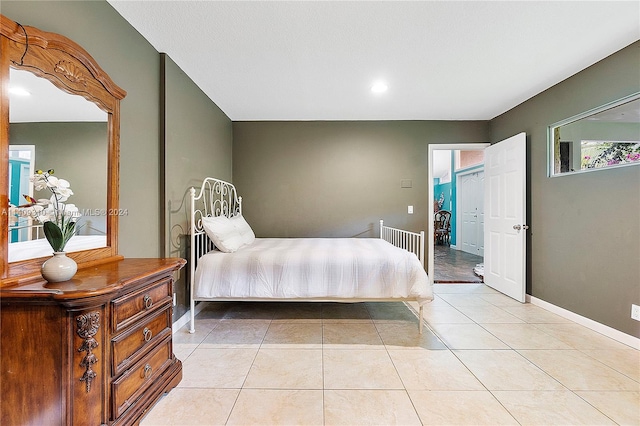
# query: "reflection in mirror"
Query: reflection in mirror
21,168
51,129
608,136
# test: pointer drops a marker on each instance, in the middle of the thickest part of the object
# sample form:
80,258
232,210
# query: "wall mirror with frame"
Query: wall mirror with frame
604,137
69,122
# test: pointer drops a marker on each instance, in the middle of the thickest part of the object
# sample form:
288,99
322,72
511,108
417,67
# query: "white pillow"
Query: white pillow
244,229
223,234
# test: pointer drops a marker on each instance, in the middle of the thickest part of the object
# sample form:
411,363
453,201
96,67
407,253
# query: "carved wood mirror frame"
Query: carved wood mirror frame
70,68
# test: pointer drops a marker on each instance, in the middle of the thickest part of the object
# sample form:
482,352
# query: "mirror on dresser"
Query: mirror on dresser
60,111
52,129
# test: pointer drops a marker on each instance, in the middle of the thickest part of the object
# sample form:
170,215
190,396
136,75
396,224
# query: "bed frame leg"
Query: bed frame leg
420,319
192,324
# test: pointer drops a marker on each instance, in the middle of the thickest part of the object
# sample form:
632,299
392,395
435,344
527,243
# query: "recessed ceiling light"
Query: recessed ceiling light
379,87
19,91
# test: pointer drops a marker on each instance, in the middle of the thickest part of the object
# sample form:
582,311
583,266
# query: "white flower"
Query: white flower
52,181
63,193
46,214
63,217
39,182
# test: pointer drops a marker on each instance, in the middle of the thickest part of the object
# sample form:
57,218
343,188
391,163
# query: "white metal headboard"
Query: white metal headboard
215,198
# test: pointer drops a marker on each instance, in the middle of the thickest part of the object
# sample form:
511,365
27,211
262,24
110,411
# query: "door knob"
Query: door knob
519,227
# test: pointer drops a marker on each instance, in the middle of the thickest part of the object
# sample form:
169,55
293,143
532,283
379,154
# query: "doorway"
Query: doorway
456,185
21,168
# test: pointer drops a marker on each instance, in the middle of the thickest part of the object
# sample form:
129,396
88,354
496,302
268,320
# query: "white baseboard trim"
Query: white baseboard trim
618,335
184,319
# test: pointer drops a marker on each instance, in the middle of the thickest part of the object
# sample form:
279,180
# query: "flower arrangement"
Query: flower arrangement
58,219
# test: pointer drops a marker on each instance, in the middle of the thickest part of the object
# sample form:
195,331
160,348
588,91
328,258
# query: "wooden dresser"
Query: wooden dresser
90,351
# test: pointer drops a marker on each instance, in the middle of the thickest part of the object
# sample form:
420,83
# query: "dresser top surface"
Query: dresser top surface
106,278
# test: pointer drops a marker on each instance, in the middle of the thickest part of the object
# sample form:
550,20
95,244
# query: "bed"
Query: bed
227,262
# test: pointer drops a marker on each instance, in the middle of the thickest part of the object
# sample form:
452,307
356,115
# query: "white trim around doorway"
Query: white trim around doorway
436,147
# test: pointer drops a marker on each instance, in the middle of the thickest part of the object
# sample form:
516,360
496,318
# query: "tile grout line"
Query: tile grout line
529,361
386,348
248,372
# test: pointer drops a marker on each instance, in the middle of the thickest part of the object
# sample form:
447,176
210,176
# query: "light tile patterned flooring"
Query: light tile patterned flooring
483,359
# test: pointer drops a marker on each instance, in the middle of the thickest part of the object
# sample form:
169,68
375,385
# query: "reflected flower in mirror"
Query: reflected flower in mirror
596,154
57,217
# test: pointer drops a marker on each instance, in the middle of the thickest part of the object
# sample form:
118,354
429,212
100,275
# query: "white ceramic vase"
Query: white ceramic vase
59,267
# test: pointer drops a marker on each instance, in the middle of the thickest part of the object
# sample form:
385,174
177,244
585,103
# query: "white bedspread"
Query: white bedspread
41,248
307,268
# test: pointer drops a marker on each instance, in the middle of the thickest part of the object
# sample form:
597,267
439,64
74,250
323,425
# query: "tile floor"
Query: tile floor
454,266
483,359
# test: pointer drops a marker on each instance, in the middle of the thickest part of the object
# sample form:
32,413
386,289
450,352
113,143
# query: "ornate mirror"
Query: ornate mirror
65,116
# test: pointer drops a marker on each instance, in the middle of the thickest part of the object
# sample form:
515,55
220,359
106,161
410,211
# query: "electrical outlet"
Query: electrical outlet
174,300
635,312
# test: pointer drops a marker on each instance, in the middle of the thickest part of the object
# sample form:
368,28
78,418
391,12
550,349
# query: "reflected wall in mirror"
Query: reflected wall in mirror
74,128
607,136
52,129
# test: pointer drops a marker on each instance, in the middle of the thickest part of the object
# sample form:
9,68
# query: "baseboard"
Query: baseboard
184,319
617,335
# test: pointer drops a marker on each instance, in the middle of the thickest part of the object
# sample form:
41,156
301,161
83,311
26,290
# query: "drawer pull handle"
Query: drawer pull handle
148,302
147,334
147,371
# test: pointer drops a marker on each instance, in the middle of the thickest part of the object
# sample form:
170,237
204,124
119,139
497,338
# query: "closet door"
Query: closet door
471,204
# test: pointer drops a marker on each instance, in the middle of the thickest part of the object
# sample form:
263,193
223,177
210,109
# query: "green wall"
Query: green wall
338,179
78,153
134,65
198,139
584,240
171,135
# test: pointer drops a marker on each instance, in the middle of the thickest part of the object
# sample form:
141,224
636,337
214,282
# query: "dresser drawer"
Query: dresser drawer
133,306
134,382
128,347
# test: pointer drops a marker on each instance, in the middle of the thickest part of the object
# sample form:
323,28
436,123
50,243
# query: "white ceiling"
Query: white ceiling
47,103
442,60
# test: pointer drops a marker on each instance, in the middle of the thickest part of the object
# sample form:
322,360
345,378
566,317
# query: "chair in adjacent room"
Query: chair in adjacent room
442,227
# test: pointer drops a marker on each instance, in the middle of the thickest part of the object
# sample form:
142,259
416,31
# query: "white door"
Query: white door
471,204
505,216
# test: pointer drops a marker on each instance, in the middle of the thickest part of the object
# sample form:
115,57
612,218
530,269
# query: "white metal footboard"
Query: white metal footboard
410,241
